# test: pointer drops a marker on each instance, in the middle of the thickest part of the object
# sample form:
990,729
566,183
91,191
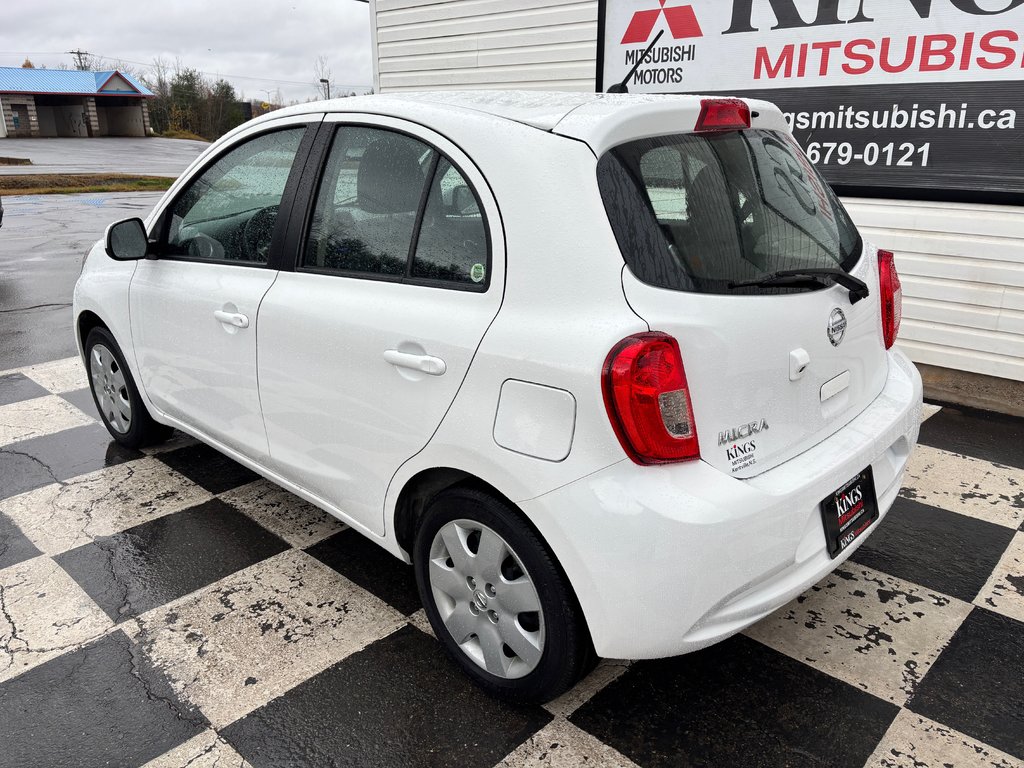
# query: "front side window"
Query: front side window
698,212
228,212
393,207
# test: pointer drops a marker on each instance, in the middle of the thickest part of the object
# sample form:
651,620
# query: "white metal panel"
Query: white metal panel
535,420
957,358
491,77
490,41
962,268
424,13
450,22
533,44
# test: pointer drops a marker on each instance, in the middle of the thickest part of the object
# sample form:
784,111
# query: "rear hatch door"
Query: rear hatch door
774,368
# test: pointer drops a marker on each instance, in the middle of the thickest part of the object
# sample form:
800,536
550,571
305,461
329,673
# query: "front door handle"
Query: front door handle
236,319
432,366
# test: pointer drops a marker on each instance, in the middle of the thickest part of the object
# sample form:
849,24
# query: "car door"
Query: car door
364,345
194,307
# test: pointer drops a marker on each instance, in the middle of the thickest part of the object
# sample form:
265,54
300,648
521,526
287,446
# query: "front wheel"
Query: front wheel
496,599
115,394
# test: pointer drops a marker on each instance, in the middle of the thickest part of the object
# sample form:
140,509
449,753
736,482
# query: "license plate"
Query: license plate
849,512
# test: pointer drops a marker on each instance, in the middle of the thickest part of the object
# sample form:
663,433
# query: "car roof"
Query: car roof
599,119
539,109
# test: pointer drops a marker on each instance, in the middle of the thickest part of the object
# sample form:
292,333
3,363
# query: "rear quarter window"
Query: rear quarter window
697,212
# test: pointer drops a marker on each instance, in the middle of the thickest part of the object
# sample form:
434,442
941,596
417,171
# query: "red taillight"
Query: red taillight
892,297
648,400
723,115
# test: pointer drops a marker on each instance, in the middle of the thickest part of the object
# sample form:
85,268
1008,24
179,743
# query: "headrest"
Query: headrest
390,178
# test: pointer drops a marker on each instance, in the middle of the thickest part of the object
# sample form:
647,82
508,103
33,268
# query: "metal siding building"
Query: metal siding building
548,44
71,103
962,265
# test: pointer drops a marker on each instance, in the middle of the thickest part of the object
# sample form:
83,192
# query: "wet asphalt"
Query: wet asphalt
150,157
43,241
44,238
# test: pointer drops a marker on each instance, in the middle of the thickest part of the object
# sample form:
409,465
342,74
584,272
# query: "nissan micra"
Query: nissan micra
614,373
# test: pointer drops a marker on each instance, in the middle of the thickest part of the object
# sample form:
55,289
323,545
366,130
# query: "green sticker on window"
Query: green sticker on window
476,273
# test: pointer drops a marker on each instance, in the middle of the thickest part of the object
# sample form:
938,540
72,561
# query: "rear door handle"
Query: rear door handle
236,319
432,366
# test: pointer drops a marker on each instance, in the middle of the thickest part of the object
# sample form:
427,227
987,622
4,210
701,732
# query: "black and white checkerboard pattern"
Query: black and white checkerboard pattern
169,608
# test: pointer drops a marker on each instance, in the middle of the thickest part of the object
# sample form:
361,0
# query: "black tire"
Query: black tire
566,653
141,429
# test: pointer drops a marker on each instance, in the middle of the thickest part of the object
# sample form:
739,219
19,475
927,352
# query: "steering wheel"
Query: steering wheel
258,232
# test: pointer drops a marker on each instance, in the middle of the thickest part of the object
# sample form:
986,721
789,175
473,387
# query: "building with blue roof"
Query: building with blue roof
61,102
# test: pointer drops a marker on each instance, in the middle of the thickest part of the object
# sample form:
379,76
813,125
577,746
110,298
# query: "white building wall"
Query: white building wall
962,269
543,44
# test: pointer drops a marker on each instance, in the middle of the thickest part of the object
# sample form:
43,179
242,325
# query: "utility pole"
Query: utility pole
81,62
327,86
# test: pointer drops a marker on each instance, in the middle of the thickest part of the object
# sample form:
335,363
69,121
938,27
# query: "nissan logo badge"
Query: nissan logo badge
836,327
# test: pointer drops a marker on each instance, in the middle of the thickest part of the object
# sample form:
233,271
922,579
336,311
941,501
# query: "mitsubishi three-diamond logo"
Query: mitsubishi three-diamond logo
682,23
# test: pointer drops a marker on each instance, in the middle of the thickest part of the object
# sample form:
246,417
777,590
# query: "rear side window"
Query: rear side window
392,207
696,212
452,245
366,211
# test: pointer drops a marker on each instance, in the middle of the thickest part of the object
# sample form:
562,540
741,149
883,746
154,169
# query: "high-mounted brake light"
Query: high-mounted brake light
723,115
892,297
648,400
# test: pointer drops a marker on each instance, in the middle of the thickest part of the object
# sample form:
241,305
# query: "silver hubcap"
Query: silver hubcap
486,599
110,388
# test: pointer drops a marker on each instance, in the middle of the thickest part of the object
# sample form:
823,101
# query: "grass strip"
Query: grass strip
67,183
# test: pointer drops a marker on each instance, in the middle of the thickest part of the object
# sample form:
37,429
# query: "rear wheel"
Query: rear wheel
115,394
496,599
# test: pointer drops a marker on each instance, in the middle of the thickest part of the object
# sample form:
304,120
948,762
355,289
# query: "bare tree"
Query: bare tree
158,80
322,73
136,72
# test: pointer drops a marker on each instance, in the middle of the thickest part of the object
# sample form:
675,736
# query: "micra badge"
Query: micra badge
736,434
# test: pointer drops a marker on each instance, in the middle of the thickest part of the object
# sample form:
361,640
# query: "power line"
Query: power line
81,61
235,77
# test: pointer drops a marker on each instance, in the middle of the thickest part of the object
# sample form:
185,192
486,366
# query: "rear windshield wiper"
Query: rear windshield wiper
798,277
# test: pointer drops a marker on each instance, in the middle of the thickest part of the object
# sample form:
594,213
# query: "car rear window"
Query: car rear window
697,212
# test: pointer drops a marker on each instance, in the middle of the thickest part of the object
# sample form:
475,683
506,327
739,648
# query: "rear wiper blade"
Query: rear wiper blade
825,276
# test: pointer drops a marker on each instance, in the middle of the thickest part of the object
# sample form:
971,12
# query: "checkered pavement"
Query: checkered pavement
169,608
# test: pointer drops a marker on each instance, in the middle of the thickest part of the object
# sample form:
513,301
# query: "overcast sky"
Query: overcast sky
257,45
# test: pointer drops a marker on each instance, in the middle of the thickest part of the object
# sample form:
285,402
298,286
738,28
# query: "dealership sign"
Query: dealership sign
885,95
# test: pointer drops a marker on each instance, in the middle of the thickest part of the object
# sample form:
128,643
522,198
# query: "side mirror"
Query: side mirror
126,240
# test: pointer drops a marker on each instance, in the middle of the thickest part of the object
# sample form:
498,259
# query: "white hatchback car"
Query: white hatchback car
615,373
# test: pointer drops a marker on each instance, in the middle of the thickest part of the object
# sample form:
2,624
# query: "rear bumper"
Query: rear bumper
667,560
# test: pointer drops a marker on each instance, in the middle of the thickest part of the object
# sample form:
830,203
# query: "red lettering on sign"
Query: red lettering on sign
941,46
784,65
908,61
935,53
1009,55
867,61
